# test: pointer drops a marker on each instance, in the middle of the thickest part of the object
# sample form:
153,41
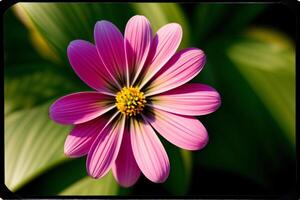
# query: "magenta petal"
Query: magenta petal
148,151
110,46
138,36
163,47
182,67
105,149
79,107
125,169
82,136
183,131
189,99
86,63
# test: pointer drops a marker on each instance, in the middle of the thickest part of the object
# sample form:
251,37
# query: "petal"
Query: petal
163,47
183,131
148,151
189,99
182,67
82,136
125,169
110,46
138,36
79,107
86,63
105,149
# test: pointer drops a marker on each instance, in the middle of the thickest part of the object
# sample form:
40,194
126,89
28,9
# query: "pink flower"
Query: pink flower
139,88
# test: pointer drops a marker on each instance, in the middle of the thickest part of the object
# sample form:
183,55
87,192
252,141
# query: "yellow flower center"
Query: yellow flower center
130,101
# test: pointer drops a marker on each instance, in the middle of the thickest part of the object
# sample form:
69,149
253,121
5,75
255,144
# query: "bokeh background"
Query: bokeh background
250,52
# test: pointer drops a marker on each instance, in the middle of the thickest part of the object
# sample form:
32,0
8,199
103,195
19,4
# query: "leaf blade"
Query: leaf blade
269,67
21,163
89,186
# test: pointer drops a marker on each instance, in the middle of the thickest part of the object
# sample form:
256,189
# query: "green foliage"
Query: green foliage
248,141
213,20
180,171
89,186
270,69
252,134
60,23
203,26
33,84
33,144
160,14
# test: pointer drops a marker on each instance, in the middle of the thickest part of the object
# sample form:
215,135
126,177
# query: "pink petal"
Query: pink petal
79,107
148,151
182,67
110,46
138,36
183,131
105,149
163,47
86,63
125,169
189,99
82,136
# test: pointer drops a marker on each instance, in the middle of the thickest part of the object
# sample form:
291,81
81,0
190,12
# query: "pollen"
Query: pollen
130,101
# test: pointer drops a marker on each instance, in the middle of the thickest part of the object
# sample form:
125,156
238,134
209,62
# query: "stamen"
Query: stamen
130,101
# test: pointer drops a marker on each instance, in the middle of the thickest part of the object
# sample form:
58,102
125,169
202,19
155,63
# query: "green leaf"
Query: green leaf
212,20
33,144
160,14
245,139
17,48
269,67
203,26
60,23
180,170
89,186
28,85
242,16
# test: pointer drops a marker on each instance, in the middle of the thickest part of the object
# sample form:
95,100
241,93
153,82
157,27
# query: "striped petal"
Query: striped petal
79,107
183,131
125,169
86,62
105,149
182,67
82,136
148,151
163,47
110,46
138,36
189,99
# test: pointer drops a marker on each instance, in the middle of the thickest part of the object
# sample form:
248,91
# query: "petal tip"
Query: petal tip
126,184
103,21
178,27
203,142
91,172
139,17
68,151
163,177
103,24
69,154
51,112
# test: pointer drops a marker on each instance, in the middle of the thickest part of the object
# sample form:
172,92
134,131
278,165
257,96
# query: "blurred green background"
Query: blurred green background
250,61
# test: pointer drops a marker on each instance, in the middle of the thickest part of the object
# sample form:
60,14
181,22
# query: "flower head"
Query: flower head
130,101
140,86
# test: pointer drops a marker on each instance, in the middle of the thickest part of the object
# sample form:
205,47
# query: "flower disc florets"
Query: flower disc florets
130,101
